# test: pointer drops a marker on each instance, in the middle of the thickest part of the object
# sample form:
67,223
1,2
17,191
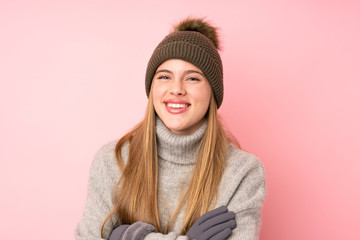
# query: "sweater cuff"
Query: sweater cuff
138,231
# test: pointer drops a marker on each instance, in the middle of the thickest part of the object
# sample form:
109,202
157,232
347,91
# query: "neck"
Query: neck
180,149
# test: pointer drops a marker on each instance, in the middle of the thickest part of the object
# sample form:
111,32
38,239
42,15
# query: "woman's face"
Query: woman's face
181,95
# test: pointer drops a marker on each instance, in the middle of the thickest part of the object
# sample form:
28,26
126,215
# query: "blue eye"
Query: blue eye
163,77
193,79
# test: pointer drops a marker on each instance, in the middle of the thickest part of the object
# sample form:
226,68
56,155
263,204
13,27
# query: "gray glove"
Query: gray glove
216,224
135,231
117,233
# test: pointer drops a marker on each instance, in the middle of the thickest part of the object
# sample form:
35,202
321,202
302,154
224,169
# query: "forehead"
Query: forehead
177,65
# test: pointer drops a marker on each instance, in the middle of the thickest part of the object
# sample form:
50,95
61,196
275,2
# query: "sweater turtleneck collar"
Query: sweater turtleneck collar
179,149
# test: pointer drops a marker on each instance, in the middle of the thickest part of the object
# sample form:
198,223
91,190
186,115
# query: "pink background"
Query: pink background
72,79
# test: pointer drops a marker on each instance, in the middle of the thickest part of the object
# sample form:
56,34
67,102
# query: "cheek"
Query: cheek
158,93
202,95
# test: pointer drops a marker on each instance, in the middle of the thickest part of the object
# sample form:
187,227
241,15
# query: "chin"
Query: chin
176,128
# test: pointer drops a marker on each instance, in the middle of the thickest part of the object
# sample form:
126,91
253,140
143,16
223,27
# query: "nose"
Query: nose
177,88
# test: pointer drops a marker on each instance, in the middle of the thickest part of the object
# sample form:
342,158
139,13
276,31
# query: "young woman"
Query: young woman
177,174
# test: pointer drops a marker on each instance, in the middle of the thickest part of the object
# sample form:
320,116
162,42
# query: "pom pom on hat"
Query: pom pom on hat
201,26
195,41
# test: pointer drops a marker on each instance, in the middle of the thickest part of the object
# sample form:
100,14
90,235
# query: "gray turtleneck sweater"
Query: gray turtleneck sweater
242,187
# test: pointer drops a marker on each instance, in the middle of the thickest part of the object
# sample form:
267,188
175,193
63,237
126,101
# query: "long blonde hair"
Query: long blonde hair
136,193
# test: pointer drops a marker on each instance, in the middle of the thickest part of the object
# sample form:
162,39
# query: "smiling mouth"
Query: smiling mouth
177,105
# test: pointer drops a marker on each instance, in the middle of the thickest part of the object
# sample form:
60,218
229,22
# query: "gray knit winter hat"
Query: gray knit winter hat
194,41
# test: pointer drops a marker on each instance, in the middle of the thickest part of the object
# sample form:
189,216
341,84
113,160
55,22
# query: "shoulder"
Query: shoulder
240,161
105,157
243,181
104,165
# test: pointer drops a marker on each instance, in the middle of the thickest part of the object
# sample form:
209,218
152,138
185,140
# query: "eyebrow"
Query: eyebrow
186,72
163,70
194,71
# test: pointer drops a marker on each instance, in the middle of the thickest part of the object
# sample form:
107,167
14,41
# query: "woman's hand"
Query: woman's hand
216,224
117,233
135,231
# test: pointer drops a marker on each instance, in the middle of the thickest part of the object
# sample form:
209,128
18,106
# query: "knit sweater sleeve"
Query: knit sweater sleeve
102,178
243,191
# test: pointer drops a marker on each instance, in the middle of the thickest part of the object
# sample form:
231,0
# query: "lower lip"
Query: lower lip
176,110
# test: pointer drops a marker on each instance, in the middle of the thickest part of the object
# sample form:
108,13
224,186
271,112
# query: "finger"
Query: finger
222,235
216,220
211,214
231,224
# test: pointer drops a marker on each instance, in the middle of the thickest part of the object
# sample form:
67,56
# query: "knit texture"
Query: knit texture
242,187
193,47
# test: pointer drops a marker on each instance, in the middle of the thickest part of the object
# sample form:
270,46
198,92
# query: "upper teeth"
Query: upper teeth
176,105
